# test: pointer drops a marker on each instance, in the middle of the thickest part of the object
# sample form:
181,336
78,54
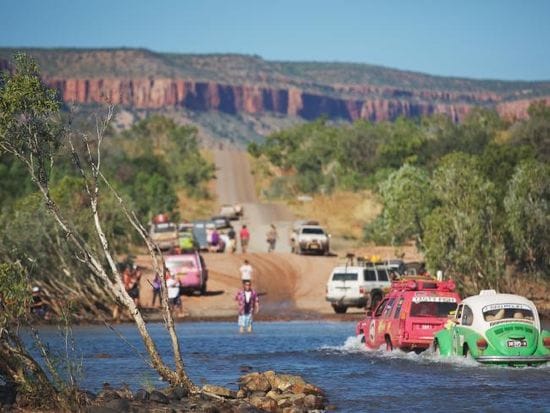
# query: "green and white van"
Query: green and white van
495,328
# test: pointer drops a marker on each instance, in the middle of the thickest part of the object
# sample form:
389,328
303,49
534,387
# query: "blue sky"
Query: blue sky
497,39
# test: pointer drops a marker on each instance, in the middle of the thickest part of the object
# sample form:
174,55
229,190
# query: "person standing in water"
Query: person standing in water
249,304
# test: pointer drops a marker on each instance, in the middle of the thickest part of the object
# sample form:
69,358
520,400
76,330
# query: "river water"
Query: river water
324,353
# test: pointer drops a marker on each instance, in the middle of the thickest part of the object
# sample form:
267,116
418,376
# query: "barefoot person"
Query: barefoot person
248,303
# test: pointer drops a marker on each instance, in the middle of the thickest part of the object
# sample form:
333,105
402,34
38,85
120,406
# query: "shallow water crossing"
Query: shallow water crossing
324,353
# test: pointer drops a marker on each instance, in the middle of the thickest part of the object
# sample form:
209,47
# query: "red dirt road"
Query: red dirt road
290,286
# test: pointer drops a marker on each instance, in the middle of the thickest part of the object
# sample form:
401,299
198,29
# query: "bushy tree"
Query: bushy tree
31,130
535,131
527,206
460,237
407,200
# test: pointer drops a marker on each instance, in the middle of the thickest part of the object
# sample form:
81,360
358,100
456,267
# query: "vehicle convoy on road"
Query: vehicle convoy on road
497,329
163,232
357,286
309,237
410,314
190,271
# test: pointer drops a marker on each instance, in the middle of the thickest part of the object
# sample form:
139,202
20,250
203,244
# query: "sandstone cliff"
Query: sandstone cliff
236,84
157,93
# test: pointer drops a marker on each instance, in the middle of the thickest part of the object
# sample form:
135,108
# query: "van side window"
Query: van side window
467,316
382,275
380,308
370,275
398,308
389,307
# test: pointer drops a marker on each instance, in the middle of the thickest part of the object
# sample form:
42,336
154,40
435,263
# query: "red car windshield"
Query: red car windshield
432,309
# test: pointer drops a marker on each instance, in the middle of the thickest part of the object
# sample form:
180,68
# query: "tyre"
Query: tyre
389,345
203,288
340,309
466,353
435,348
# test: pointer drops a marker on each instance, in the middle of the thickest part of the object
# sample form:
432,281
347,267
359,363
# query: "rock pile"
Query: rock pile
258,392
274,392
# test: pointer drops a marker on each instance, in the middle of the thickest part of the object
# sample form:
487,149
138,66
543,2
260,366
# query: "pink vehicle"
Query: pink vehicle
190,270
410,314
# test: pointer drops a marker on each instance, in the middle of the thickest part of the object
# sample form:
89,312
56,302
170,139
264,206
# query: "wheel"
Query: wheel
389,345
203,288
435,348
466,353
340,309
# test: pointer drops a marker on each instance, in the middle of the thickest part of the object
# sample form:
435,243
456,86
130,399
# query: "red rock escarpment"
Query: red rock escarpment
372,103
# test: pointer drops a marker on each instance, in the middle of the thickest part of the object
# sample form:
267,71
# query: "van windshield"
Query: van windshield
344,276
432,309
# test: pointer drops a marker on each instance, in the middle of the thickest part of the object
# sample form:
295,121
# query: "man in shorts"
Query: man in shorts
247,300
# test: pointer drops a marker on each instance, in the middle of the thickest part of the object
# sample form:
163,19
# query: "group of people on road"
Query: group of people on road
244,237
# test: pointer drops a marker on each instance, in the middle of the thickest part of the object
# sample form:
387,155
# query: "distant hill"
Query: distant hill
252,96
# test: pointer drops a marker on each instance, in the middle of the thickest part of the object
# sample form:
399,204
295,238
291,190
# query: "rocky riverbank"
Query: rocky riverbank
258,392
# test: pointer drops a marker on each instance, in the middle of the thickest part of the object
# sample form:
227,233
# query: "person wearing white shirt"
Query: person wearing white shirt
173,287
246,271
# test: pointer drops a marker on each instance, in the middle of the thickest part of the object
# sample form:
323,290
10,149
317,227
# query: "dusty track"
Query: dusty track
290,286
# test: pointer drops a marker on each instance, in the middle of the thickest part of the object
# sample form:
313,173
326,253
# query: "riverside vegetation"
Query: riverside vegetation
82,204
474,196
64,230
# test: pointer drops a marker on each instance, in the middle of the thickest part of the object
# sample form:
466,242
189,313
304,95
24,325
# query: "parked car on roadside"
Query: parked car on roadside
187,239
309,237
199,230
495,328
221,222
357,286
232,212
190,270
410,314
164,234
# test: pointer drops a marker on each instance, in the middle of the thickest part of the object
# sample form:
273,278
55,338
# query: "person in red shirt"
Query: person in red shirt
244,235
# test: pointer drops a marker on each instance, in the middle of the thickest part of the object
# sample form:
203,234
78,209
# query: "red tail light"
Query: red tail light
482,344
546,342
361,290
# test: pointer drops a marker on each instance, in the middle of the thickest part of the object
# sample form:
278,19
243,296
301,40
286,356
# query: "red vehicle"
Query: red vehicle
190,270
409,315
